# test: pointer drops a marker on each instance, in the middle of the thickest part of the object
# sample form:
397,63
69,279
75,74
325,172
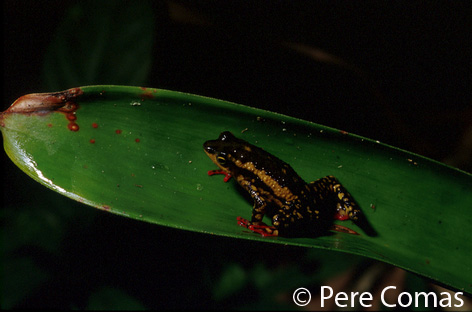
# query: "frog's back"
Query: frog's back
270,168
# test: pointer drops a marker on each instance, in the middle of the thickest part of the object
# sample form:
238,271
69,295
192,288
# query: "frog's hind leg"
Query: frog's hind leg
346,207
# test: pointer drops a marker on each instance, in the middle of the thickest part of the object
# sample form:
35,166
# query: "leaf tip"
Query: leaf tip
45,102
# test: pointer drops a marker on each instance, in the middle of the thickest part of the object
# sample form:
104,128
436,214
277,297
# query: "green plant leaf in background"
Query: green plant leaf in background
96,36
138,153
105,299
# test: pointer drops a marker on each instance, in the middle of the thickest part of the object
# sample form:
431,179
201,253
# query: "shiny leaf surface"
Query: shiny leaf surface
138,152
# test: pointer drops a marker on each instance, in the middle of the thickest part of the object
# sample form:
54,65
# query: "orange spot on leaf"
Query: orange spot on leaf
147,94
73,126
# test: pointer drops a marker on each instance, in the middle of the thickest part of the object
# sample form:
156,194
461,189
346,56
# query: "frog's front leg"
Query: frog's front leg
260,227
258,211
346,207
256,225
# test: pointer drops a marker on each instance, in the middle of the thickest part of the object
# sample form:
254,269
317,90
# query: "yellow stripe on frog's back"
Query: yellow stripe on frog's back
277,190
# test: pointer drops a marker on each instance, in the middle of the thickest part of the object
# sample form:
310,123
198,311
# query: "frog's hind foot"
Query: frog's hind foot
259,227
340,217
343,229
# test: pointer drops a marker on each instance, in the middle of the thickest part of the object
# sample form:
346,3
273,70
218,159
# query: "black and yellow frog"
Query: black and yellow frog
295,207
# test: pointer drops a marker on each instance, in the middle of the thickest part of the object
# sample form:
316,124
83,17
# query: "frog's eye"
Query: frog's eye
221,159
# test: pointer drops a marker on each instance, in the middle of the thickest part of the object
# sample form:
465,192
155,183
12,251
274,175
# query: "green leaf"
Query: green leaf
101,41
19,275
138,152
233,279
106,299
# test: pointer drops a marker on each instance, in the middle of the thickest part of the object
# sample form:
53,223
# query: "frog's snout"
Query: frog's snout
208,148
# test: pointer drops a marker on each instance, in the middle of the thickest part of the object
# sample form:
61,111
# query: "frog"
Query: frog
295,208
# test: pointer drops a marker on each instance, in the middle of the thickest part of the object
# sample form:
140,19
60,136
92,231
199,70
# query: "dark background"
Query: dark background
412,89
404,78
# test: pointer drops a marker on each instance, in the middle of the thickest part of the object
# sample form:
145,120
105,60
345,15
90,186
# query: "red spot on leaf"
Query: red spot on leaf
69,107
107,208
71,116
94,125
137,140
92,141
147,94
73,126
50,125
118,131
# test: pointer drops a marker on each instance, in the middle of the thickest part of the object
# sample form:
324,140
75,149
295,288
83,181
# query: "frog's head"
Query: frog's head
227,151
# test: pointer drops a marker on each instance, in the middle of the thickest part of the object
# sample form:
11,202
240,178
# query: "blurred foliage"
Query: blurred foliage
106,299
56,254
95,36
